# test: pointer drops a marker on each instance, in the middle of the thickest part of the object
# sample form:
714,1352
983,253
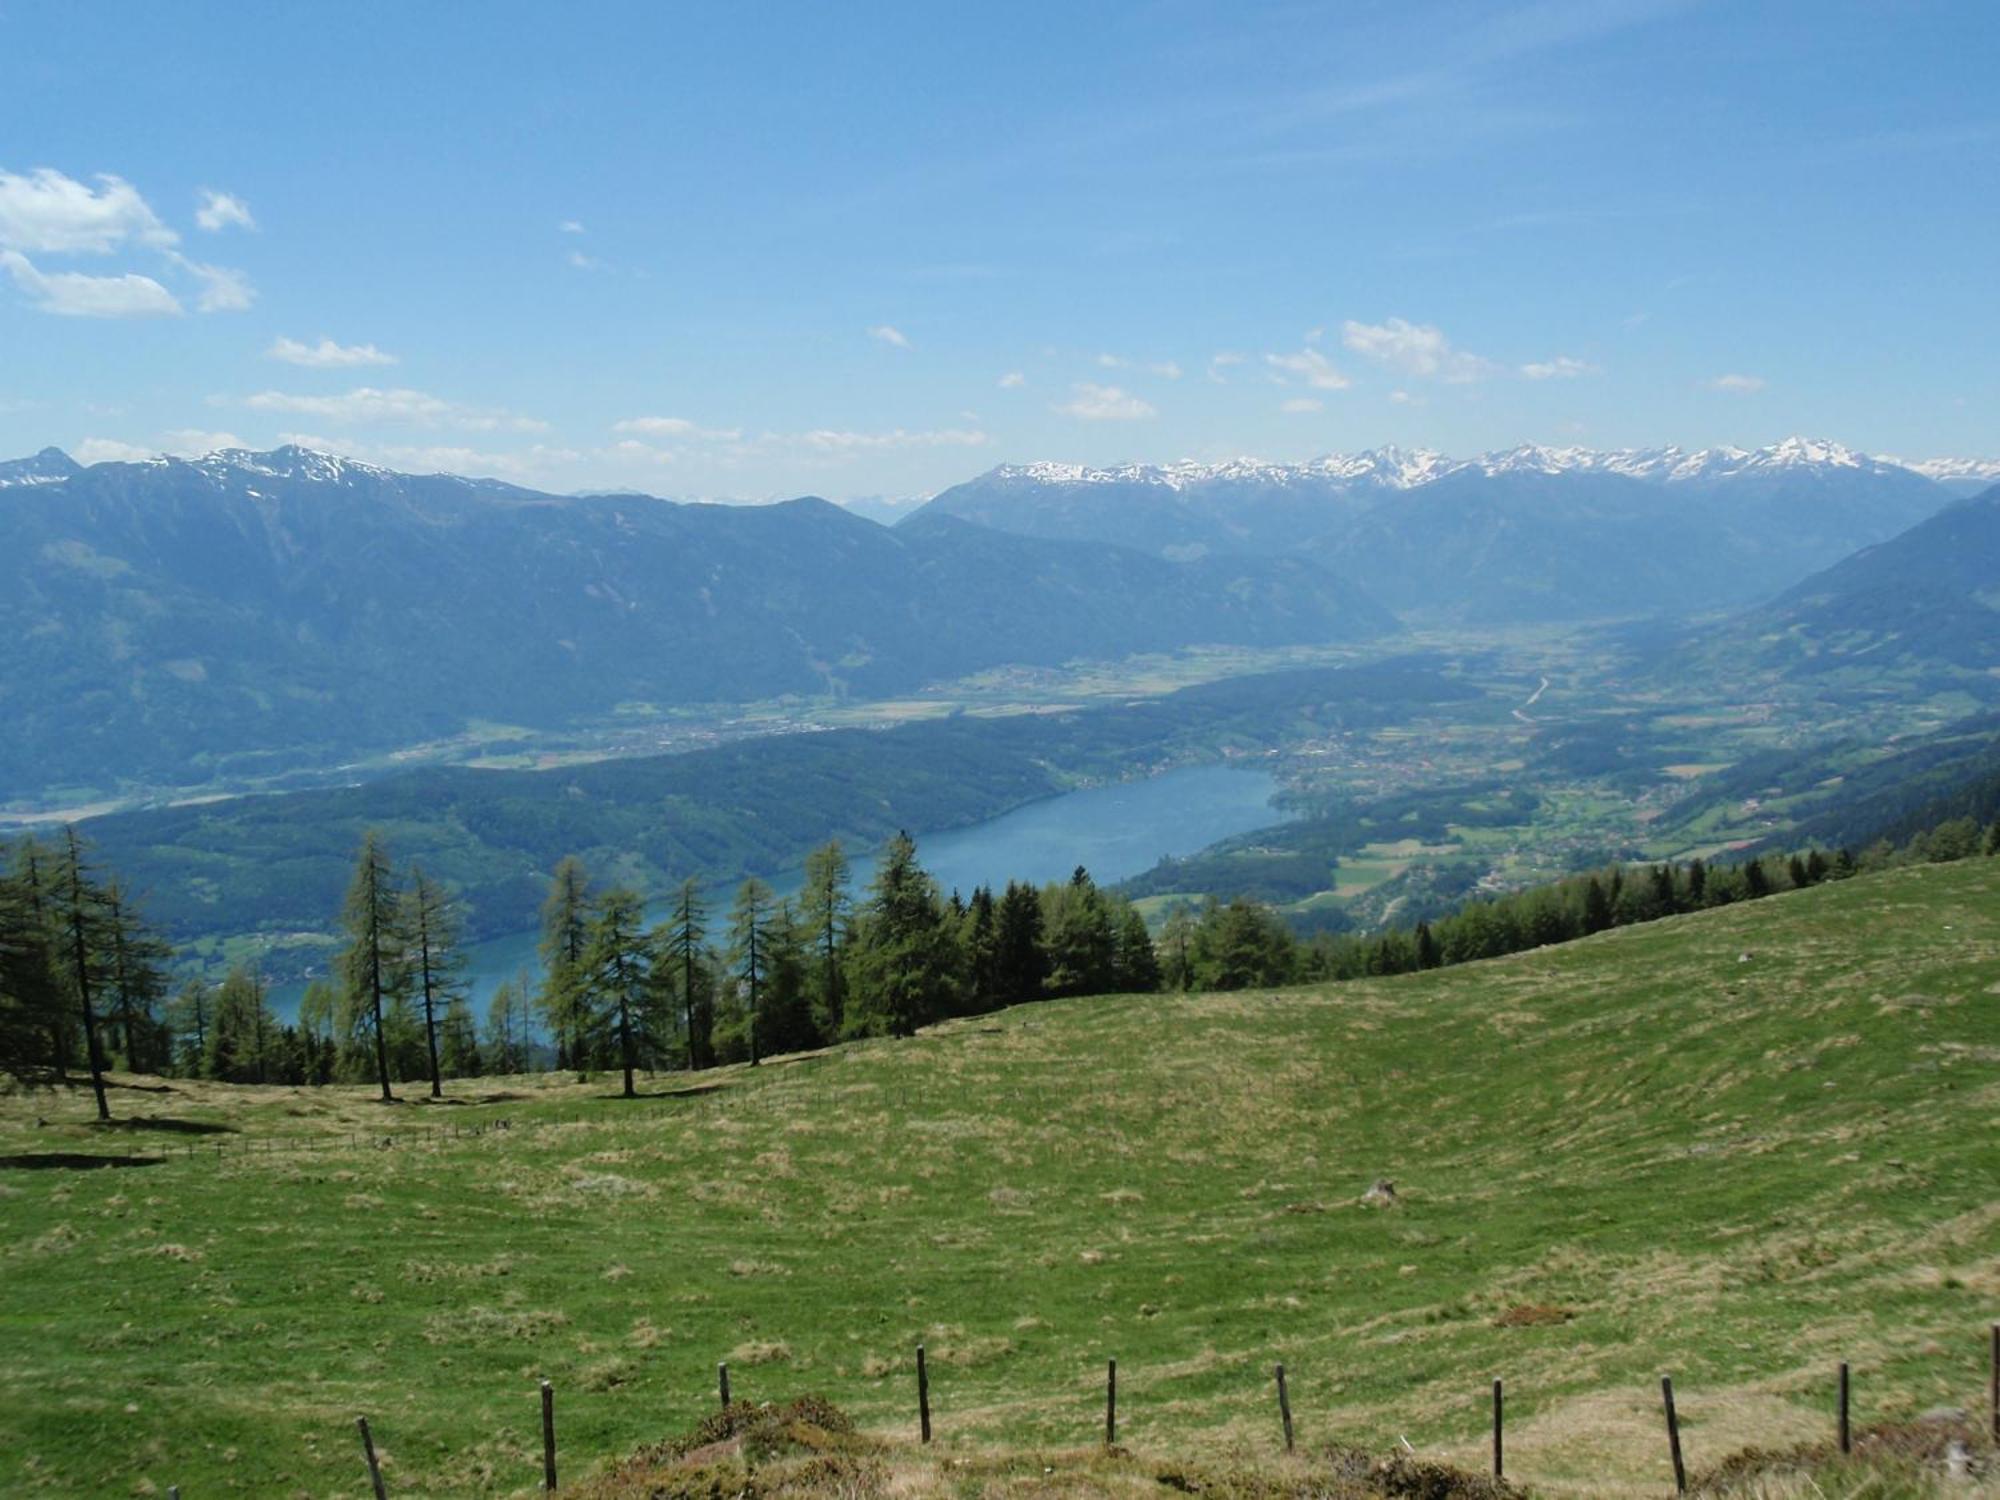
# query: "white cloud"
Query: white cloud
1312,367
192,442
1104,403
1299,405
889,335
1013,380
111,451
676,427
570,226
1736,385
72,294
222,289
522,464
1562,367
824,440
1404,398
1166,368
219,211
326,354
584,262
1417,349
1217,363
47,212
366,405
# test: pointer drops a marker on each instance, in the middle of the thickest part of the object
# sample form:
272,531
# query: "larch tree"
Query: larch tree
616,962
684,949
371,965
31,1004
138,980
431,925
566,919
750,948
83,949
825,914
35,873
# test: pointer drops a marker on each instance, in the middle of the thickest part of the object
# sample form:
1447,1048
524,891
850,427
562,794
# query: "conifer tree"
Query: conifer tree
1020,962
506,1048
1176,938
825,912
750,950
1138,965
616,962
686,954
31,1005
35,872
83,947
239,1037
138,981
458,1041
431,924
908,958
566,918
371,965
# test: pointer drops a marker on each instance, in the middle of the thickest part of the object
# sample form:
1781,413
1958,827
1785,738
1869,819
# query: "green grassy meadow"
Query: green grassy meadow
1738,1146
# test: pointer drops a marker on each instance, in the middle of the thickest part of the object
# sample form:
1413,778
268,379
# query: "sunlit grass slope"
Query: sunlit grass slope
1738,1146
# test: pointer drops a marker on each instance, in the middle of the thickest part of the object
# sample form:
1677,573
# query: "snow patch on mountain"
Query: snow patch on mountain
1399,469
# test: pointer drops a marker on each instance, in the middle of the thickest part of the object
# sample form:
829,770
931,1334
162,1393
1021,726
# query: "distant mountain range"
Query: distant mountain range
1528,534
1925,601
171,621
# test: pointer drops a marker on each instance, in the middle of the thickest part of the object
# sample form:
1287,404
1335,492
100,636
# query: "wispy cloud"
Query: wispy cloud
1104,403
887,334
368,406
679,427
220,211
1013,380
222,288
1414,349
73,294
834,441
524,464
46,212
1736,385
326,354
1300,405
1561,367
570,226
1311,366
95,450
1217,363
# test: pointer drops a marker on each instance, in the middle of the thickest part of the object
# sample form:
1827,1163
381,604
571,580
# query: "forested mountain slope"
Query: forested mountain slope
172,621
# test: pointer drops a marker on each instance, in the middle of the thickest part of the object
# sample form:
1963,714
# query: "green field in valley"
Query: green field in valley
1739,1146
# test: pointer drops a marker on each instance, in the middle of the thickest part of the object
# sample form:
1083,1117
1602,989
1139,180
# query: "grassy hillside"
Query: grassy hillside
1739,1146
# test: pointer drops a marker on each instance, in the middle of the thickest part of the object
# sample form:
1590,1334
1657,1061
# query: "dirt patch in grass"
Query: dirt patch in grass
1532,1315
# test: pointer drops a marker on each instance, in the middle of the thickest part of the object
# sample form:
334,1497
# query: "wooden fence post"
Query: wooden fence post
1846,1443
1111,1404
1499,1464
548,1437
1285,1407
923,1394
722,1383
1674,1434
374,1469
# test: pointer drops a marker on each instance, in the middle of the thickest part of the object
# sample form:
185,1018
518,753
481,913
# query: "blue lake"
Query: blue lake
1114,831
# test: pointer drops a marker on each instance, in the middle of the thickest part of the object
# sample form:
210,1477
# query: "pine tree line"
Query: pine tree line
84,986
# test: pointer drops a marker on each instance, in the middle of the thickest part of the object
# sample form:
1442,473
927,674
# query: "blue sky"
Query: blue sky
760,250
